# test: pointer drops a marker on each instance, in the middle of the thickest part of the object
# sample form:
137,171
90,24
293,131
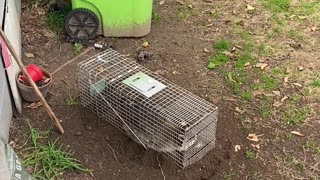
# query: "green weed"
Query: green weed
48,160
70,101
316,83
246,95
288,136
228,176
77,48
308,145
250,154
294,116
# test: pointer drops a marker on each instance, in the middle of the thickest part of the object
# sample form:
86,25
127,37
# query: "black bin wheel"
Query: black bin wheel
81,24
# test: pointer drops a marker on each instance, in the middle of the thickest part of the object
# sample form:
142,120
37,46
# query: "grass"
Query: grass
55,20
295,116
221,45
77,48
246,95
70,101
294,34
316,83
228,176
277,6
155,17
265,107
217,60
184,12
267,82
250,154
48,160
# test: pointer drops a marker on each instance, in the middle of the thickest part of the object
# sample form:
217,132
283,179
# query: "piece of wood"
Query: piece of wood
73,59
53,117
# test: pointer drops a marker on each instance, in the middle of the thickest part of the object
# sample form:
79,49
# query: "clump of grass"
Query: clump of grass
246,95
316,83
70,101
295,34
221,45
277,6
48,160
155,17
219,58
77,48
295,116
250,154
184,12
267,83
55,19
265,107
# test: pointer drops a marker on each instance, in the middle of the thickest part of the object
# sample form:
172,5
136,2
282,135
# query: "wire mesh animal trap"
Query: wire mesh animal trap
153,111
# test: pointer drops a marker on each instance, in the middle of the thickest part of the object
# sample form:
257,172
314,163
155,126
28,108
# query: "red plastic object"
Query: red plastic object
34,72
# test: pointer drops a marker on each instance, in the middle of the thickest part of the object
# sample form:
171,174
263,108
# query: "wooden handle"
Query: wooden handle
34,86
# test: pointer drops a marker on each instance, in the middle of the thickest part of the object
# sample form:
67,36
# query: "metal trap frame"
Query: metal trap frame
150,109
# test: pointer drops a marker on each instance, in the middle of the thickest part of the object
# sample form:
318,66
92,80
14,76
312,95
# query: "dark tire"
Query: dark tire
82,24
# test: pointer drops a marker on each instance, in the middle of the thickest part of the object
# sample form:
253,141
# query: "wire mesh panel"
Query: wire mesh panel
148,108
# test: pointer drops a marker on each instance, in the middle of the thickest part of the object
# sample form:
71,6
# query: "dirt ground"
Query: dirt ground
177,40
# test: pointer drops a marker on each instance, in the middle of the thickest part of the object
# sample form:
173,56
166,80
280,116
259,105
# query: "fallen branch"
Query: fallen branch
112,151
86,51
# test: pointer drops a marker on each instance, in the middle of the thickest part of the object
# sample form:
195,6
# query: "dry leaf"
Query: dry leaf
29,55
145,44
277,93
100,69
313,28
250,8
206,50
239,110
209,25
180,2
253,137
286,79
297,133
34,105
297,84
300,68
277,104
46,80
256,93
190,6
237,148
268,94
284,98
256,146
262,66
247,64
302,17
161,2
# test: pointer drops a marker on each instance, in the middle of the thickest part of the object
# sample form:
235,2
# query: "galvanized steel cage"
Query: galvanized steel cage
148,108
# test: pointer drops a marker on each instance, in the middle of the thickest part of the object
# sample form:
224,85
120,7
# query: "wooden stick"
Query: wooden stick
73,59
34,86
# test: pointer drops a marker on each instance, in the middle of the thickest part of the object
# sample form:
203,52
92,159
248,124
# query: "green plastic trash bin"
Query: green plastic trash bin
111,18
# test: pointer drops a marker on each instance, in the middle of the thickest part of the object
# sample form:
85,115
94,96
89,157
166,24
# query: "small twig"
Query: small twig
112,151
164,178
